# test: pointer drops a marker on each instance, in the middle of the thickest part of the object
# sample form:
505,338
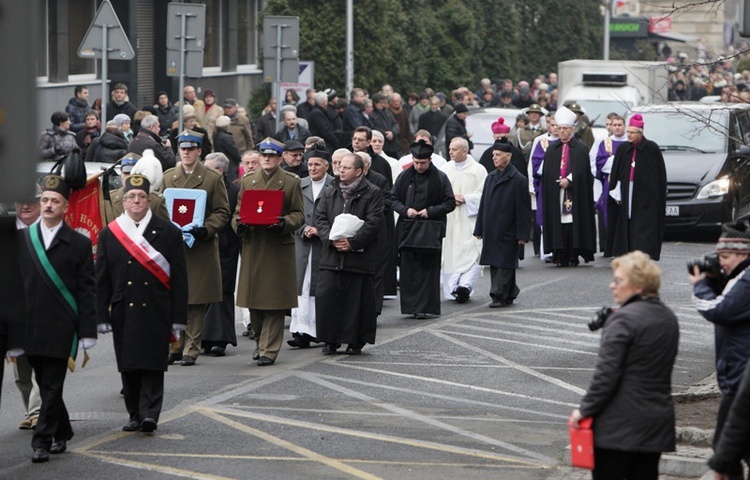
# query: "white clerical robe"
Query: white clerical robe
461,250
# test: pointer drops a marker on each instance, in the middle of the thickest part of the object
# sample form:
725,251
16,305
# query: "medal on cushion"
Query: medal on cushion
260,206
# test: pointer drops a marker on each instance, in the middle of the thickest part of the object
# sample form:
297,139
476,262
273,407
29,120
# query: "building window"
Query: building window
212,49
80,14
247,32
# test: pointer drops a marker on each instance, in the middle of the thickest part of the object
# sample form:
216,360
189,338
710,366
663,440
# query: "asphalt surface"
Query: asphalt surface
476,393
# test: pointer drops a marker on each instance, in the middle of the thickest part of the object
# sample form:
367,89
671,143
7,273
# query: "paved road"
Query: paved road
474,394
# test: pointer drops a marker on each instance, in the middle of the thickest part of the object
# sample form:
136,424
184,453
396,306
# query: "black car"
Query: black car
707,156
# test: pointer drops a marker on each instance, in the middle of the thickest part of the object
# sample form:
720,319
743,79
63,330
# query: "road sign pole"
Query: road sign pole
183,55
105,93
276,90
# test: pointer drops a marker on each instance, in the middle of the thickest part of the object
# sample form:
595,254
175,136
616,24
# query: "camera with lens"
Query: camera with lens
600,317
708,264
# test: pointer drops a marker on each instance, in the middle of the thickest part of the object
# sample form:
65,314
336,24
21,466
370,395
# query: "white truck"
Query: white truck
604,86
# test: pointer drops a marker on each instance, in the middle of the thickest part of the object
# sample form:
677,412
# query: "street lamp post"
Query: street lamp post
607,13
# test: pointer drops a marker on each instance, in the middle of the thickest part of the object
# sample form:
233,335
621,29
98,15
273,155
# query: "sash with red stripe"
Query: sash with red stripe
150,258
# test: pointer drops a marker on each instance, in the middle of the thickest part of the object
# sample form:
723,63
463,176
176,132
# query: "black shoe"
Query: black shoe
265,361
187,361
58,446
40,455
298,342
174,357
256,354
498,304
246,333
353,350
131,426
420,316
218,351
462,294
148,425
330,348
574,262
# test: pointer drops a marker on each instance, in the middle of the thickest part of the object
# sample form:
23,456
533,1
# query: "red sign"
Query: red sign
660,24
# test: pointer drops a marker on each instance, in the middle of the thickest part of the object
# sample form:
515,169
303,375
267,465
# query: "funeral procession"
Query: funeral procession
375,239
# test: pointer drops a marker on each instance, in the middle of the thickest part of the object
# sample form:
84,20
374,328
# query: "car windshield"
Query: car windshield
692,130
597,110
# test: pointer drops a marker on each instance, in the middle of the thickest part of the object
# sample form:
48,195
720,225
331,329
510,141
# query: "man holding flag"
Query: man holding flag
142,296
58,273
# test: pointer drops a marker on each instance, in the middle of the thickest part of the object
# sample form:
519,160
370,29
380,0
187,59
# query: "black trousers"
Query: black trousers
144,393
503,286
54,422
619,465
721,418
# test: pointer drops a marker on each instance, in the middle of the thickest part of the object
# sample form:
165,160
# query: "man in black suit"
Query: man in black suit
141,296
58,272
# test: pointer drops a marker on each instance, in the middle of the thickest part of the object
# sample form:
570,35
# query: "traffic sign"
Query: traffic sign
106,23
281,49
193,64
195,26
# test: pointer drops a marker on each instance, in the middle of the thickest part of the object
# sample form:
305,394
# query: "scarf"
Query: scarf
347,191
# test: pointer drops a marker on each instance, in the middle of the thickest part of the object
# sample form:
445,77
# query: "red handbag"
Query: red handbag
582,444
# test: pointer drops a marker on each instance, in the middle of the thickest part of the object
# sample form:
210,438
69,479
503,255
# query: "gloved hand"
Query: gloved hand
278,226
177,329
87,343
14,352
103,328
200,233
242,229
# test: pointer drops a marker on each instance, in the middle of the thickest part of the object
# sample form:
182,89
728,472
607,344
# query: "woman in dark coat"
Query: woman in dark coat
630,396
108,148
224,143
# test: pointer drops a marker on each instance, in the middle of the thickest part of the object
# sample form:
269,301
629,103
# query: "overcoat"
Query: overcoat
49,324
630,396
204,272
142,308
268,272
504,217
302,244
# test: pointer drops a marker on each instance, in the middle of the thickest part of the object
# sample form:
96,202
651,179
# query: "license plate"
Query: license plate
673,210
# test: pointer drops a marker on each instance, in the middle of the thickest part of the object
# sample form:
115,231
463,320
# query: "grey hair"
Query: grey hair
320,98
219,159
377,133
149,121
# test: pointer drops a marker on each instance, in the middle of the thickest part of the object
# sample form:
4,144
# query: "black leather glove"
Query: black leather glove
241,229
278,226
200,233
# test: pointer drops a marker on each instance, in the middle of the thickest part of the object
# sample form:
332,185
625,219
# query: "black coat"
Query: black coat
147,139
300,134
224,143
734,443
12,296
516,158
630,396
644,229
584,225
127,108
384,121
50,324
367,204
432,121
504,217
456,128
142,308
266,127
107,148
321,126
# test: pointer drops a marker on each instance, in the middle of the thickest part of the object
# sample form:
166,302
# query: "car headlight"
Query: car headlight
716,188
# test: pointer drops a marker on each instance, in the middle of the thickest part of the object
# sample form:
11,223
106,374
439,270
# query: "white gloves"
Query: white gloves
177,329
87,343
103,328
14,352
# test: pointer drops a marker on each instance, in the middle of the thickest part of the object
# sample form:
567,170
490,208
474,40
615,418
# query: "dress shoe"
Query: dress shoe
187,361
58,446
498,304
256,354
462,294
25,424
298,342
265,361
148,425
330,348
174,357
131,426
420,316
353,350
218,351
246,333
40,455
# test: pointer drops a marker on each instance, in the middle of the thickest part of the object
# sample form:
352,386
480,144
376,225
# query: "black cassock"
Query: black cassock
420,272
583,229
643,229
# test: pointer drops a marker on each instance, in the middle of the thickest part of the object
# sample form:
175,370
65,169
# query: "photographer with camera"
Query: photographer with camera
630,396
723,299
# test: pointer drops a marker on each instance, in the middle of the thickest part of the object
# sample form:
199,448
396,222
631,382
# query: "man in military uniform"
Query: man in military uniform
142,295
57,268
582,126
525,136
204,271
267,281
